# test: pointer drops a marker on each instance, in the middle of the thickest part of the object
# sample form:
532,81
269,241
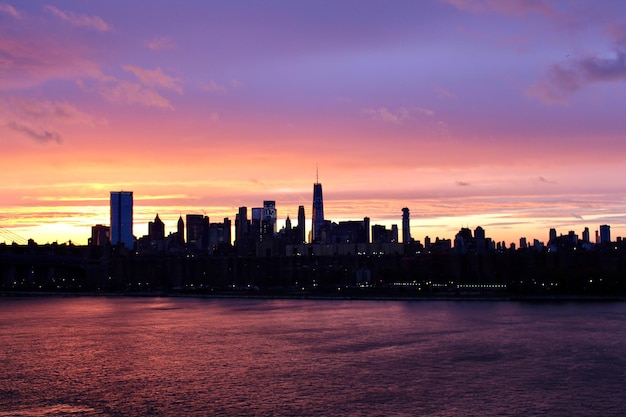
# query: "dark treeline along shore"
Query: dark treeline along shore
67,268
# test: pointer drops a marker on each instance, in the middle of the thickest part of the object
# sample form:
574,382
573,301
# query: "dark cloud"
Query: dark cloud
463,184
42,136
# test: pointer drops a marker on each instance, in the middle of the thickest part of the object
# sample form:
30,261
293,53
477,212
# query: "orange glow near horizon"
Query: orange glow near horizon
396,108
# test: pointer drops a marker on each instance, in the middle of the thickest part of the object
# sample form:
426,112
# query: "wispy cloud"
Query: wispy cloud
144,92
10,10
561,81
213,87
160,43
423,110
36,133
80,20
125,92
514,7
443,93
398,116
388,116
155,78
463,183
41,120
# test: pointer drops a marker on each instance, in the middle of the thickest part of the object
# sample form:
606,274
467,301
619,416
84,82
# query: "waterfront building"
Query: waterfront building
122,218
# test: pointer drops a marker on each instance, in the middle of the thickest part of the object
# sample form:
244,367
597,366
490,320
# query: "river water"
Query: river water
117,356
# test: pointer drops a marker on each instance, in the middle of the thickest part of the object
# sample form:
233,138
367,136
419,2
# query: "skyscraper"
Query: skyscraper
268,222
122,218
406,226
605,233
301,225
317,218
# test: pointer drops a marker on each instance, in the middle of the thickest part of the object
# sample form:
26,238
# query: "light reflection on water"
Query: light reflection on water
167,356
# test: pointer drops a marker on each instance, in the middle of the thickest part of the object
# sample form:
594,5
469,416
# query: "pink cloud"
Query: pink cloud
161,43
41,120
443,93
154,78
10,10
385,115
24,63
514,7
212,87
80,20
125,92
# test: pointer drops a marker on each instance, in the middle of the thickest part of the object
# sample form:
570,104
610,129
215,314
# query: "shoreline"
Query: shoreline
333,297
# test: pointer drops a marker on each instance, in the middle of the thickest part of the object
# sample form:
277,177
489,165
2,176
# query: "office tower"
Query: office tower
156,229
552,239
268,222
480,240
180,229
288,223
523,244
122,218
586,236
318,212
255,223
241,224
227,231
197,228
406,226
605,233
301,225
100,235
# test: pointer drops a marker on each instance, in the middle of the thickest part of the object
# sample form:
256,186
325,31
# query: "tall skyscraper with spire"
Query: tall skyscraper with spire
317,214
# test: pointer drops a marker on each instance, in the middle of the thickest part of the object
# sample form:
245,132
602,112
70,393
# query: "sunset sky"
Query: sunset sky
510,115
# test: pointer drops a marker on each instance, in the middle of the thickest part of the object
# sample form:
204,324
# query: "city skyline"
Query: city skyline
505,115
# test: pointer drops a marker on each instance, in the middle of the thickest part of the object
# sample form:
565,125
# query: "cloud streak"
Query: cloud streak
154,78
10,10
160,43
561,81
80,20
41,120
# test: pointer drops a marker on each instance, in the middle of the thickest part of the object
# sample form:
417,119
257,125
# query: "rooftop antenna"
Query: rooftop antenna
317,174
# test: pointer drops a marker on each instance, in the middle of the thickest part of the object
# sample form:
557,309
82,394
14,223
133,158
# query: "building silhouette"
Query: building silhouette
122,218
100,235
605,233
301,225
197,230
156,229
317,215
406,226
268,221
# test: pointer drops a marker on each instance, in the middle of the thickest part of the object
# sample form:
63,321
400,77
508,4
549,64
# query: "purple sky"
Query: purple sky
504,114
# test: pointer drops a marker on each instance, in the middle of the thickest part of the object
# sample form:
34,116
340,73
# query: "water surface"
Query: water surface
170,356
